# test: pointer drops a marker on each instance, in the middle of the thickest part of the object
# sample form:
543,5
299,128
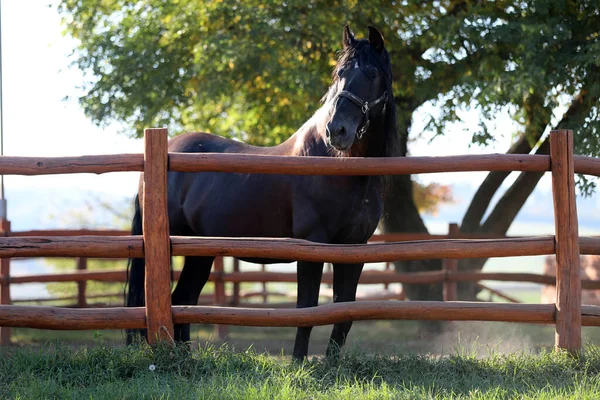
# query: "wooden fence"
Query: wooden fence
158,315
81,274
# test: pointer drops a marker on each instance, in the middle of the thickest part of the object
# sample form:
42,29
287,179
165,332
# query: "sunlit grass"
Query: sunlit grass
219,372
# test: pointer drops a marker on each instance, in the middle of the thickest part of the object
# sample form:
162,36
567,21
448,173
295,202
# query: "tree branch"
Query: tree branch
507,208
533,132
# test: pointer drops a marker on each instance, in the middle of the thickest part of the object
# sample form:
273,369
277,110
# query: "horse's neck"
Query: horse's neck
309,140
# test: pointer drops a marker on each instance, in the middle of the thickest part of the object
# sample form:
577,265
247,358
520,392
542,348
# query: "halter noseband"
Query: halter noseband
365,107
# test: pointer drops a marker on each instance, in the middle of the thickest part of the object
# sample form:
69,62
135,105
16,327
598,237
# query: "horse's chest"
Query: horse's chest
341,210
359,220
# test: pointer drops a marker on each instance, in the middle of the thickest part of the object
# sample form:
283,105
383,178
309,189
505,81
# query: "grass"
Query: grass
383,360
105,372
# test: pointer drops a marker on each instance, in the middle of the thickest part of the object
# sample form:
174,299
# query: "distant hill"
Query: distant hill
47,208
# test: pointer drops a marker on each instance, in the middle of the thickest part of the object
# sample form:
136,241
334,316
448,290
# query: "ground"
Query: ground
382,360
107,372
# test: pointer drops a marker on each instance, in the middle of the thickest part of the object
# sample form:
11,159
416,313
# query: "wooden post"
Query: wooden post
235,299
81,286
220,297
387,268
568,270
157,246
4,283
449,265
328,269
263,268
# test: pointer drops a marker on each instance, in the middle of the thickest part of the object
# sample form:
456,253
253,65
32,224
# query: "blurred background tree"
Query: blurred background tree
255,71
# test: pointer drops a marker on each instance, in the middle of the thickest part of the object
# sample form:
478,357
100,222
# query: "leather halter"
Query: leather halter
365,107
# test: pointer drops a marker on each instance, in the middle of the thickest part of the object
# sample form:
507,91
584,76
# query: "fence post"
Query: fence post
235,299
82,285
157,243
4,283
220,297
265,297
449,265
568,270
388,266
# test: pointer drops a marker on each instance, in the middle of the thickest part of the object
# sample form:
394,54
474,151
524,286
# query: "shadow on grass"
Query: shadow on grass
221,372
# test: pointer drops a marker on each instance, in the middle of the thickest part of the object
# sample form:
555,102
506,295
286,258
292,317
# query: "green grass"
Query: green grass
210,372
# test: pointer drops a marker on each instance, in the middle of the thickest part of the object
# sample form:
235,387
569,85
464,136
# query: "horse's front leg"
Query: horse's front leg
345,281
195,273
309,282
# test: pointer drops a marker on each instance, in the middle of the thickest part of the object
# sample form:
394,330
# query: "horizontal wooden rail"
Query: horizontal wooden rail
296,249
264,164
411,236
71,246
70,232
112,247
132,317
589,245
587,165
369,310
99,164
367,277
267,164
59,318
285,249
74,276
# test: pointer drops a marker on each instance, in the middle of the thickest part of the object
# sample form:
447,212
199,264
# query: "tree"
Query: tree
255,70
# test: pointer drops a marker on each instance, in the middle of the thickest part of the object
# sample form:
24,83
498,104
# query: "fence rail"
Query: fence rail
158,316
368,277
134,317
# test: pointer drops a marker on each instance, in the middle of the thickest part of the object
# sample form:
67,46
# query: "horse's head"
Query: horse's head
361,91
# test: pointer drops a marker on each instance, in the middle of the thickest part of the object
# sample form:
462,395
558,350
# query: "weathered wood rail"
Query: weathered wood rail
158,316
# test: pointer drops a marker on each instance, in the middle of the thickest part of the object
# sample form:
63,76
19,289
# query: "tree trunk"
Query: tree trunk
507,208
401,215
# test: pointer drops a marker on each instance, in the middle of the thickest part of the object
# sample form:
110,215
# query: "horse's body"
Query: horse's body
325,209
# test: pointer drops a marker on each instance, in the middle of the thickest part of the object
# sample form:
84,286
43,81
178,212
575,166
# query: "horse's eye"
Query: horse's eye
371,72
341,72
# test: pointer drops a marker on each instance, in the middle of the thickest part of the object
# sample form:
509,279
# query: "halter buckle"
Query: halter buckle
365,107
363,129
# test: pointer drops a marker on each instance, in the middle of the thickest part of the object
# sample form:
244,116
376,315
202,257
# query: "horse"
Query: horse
357,119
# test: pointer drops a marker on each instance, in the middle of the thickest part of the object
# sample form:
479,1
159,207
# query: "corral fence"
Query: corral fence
157,246
448,276
231,295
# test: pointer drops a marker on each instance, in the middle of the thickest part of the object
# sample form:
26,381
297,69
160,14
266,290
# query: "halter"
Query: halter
365,107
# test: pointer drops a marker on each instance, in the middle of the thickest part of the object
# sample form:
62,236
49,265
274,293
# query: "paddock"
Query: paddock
159,316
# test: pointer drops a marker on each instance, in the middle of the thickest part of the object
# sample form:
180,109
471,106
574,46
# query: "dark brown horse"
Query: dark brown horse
357,119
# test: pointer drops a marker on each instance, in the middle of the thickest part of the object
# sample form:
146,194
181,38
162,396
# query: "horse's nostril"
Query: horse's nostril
341,131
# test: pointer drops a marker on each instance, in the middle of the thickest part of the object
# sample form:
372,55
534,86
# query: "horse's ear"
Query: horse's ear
348,38
376,39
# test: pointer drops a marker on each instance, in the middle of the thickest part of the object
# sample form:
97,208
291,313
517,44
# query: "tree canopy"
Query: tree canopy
255,70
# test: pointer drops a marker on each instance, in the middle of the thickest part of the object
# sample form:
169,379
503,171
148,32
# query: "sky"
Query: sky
38,122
